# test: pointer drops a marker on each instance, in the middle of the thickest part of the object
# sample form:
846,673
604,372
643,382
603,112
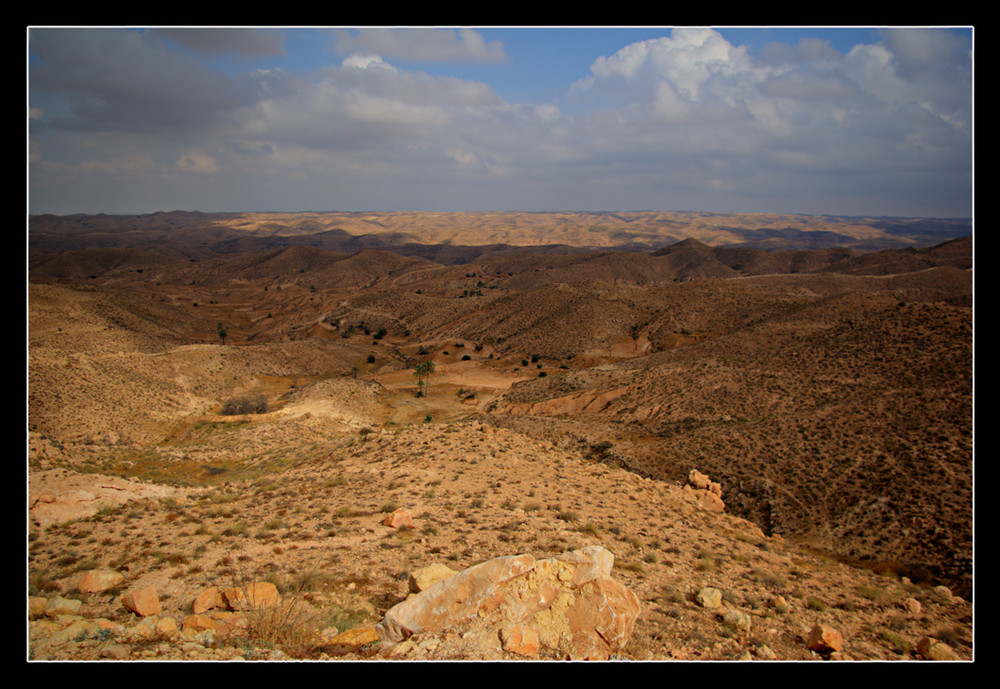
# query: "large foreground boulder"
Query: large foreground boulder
567,607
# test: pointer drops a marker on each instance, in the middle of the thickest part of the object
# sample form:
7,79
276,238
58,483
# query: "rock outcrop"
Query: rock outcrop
567,607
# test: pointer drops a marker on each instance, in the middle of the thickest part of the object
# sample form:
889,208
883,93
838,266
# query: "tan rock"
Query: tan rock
452,600
36,607
116,651
398,519
167,626
590,563
932,649
942,593
143,602
207,600
709,598
737,620
601,619
77,631
97,580
355,638
261,594
824,639
568,602
711,501
194,624
62,606
521,640
425,577
698,480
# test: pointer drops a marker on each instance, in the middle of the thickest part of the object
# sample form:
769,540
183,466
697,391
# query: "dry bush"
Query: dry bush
245,404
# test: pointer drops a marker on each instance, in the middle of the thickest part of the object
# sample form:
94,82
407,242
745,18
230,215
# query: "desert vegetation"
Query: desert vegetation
520,399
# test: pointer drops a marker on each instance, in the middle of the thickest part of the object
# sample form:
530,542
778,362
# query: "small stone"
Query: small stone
77,631
167,626
942,593
116,651
261,594
97,580
36,607
398,519
194,624
62,606
143,602
766,652
932,649
355,638
207,600
737,620
709,598
824,639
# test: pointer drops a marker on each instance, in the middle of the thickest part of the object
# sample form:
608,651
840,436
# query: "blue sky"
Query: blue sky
819,120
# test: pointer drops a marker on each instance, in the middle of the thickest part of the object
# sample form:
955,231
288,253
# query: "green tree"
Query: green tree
222,332
422,372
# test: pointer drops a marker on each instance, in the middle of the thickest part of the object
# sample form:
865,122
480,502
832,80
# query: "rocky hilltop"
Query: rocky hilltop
695,451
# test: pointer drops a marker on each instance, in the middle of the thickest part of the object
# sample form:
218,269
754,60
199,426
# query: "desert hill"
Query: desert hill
828,392
464,236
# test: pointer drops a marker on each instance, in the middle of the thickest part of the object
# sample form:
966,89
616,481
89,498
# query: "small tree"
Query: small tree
422,373
222,332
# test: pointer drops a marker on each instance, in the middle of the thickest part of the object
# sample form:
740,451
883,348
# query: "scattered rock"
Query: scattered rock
933,649
208,599
116,651
97,580
942,593
355,638
824,640
709,598
260,594
36,607
737,620
143,602
707,493
62,606
399,519
195,624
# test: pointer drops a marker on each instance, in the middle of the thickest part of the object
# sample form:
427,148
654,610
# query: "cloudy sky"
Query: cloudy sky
843,121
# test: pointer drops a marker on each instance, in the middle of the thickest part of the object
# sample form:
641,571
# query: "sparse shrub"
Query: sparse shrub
236,406
814,603
896,642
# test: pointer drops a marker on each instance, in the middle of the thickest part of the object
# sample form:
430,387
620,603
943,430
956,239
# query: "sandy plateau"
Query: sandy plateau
569,395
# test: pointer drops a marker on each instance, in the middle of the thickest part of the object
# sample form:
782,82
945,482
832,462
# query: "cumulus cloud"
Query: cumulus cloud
685,120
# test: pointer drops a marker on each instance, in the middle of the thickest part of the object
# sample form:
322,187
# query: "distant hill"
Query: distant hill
462,237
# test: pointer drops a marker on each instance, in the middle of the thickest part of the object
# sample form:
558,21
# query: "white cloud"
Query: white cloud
670,122
366,61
